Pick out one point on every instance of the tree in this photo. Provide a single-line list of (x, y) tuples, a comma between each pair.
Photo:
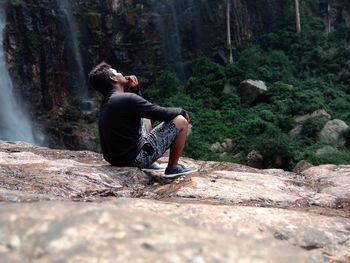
[(228, 27), (297, 16), (329, 17)]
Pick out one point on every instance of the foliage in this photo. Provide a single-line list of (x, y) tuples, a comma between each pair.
[(11, 2), (312, 127), (304, 72)]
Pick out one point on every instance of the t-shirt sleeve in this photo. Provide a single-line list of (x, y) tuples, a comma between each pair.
[(145, 109)]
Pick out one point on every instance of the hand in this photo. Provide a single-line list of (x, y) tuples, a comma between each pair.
[(188, 117), (133, 82)]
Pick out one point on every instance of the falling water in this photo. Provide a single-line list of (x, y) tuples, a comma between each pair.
[(75, 59), (167, 23), (14, 124), (172, 17)]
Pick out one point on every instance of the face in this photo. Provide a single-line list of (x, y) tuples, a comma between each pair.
[(118, 76)]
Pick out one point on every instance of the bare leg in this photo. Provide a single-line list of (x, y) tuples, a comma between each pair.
[(148, 125), (178, 144)]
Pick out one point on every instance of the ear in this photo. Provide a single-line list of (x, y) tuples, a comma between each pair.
[(113, 79)]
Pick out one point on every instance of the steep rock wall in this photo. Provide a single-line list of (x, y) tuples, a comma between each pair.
[(133, 35)]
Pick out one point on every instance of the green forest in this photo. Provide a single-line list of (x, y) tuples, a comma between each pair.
[(304, 72)]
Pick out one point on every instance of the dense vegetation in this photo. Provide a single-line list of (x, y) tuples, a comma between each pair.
[(304, 72)]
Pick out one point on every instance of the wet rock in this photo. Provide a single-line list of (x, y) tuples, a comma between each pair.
[(332, 133), (250, 90)]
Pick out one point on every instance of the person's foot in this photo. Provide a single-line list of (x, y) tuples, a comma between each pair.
[(154, 167), (177, 171)]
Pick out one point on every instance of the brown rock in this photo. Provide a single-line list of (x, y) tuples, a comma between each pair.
[(227, 211), (255, 159), (302, 166), (250, 90), (129, 230)]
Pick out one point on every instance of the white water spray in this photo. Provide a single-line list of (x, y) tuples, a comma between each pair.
[(14, 124), (168, 26), (76, 61)]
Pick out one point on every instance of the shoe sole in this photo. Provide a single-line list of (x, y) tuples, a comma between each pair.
[(173, 176), (153, 170)]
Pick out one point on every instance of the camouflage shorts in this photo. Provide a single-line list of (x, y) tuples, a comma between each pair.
[(157, 142)]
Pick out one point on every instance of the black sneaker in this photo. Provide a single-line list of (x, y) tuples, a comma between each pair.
[(177, 171)]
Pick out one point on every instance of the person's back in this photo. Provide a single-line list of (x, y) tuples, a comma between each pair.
[(119, 129)]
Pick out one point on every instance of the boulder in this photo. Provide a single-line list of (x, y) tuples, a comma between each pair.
[(226, 146), (296, 131), (58, 205), (250, 90), (302, 166), (332, 133), (316, 114), (326, 150), (228, 89), (255, 159), (300, 120), (216, 148)]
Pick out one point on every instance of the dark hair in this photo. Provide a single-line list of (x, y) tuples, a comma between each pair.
[(99, 78)]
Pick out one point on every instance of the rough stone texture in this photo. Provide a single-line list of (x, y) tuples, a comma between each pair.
[(300, 120), (301, 166), (296, 131), (326, 150), (255, 159), (332, 132), (224, 212), (126, 35), (148, 231), (316, 114), (226, 146), (250, 90)]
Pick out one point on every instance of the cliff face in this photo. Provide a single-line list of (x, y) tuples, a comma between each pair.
[(52, 45)]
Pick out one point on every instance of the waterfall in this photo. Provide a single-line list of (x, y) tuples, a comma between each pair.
[(171, 17), (166, 21), (74, 56), (14, 124)]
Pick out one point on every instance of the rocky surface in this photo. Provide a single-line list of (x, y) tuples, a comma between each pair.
[(332, 132), (250, 90), (90, 211)]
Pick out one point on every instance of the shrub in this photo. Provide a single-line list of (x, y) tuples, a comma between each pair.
[(312, 127)]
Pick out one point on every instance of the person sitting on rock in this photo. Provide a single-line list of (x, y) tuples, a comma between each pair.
[(123, 116)]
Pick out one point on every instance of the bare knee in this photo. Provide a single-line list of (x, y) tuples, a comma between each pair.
[(180, 122)]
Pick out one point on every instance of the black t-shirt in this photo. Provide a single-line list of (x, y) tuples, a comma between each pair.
[(119, 125)]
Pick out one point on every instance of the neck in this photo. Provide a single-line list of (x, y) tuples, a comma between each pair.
[(118, 88)]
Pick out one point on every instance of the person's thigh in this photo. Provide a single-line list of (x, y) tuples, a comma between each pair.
[(158, 141)]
